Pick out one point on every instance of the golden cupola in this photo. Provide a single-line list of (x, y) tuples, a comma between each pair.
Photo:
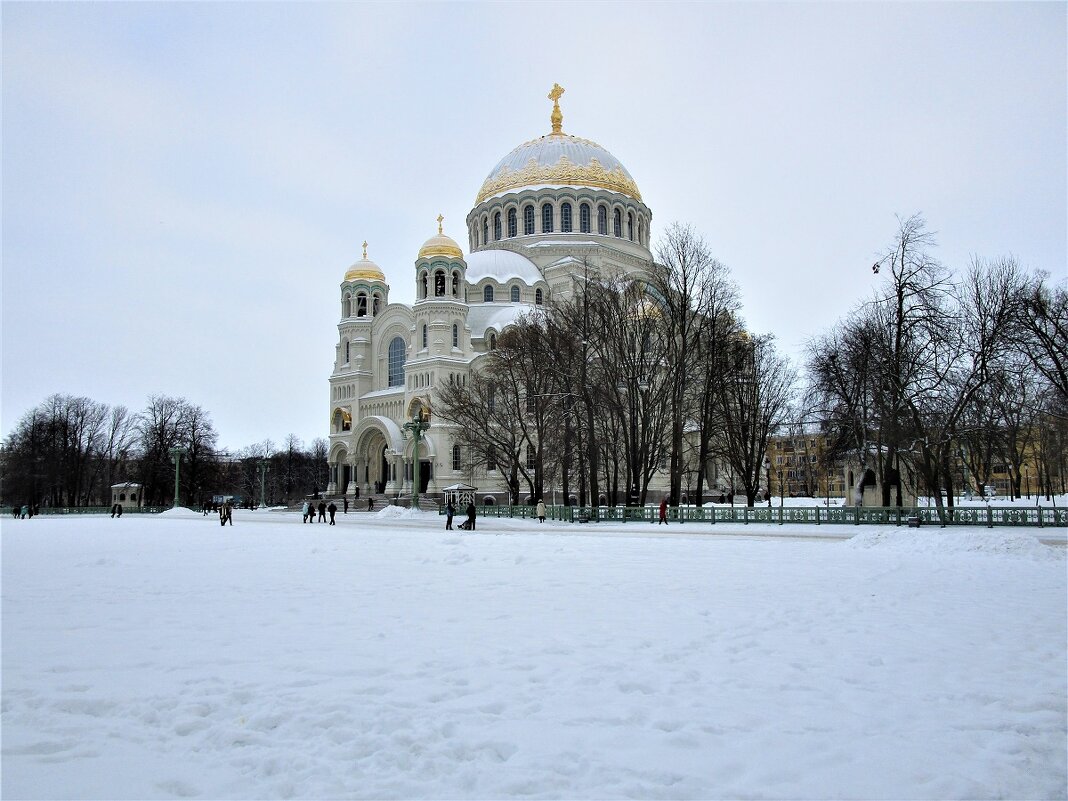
[(365, 270), (558, 159), (440, 245)]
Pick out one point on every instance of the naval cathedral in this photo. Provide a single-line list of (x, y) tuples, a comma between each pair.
[(549, 206)]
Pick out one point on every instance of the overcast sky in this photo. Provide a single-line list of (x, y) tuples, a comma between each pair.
[(185, 184)]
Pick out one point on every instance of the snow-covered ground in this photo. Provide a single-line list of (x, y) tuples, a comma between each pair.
[(164, 657)]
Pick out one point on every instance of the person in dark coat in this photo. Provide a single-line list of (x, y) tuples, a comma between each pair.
[(322, 511), (470, 523), (332, 509), (663, 511), (450, 510), (370, 504), (226, 514), (118, 510), (345, 501)]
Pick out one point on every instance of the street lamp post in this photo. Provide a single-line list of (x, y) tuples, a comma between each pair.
[(265, 466), (417, 427), (780, 489), (767, 472), (1027, 480), (176, 457)]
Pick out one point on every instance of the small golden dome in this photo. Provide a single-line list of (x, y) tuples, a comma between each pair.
[(365, 270), (440, 245)]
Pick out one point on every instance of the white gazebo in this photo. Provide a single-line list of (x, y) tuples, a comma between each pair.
[(460, 495)]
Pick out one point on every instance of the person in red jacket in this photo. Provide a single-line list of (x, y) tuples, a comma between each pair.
[(663, 511)]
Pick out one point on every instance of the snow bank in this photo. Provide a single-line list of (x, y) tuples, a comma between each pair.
[(180, 512), (928, 541)]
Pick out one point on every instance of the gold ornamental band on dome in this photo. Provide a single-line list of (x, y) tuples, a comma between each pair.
[(564, 172)]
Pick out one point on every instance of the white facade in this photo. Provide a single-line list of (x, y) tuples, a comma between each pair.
[(551, 209)]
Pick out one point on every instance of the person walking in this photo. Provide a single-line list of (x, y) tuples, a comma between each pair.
[(322, 512), (450, 510), (345, 501), (118, 510), (540, 511), (370, 503), (470, 523), (25, 510), (663, 511), (332, 509), (226, 513)]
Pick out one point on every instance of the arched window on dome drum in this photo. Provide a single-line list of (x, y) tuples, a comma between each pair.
[(361, 305), (497, 227), (528, 220), (565, 218), (630, 226), (346, 307), (396, 362), (376, 299), (346, 351), (456, 463), (641, 231), (424, 336), (487, 295), (547, 218), (455, 335), (537, 297), (617, 223), (439, 284), (602, 220), (485, 230), (513, 225), (584, 218), (455, 284), (515, 294), (422, 281)]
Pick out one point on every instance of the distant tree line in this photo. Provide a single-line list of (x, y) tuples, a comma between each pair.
[(69, 451)]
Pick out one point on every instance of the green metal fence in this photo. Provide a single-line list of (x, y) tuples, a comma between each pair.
[(5, 511), (989, 516)]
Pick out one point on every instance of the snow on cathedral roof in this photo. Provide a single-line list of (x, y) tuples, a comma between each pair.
[(483, 316), (502, 266)]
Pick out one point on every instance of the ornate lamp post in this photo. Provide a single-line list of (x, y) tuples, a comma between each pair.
[(176, 457), (416, 427), (1027, 480), (264, 466), (780, 489)]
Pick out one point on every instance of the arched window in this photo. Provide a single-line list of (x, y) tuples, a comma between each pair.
[(396, 362), (485, 230), (493, 342), (537, 297), (515, 294), (602, 220), (346, 352), (439, 284), (617, 223), (491, 458), (584, 218), (513, 227), (455, 335), (456, 463), (497, 226), (565, 218), (547, 218), (422, 277), (641, 231), (487, 295), (424, 336), (346, 307), (375, 300), (361, 305), (455, 283), (630, 226), (528, 220)]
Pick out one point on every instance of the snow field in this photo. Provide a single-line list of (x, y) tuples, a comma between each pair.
[(166, 657)]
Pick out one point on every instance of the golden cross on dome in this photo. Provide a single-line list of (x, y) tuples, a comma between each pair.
[(365, 250), (557, 117), (440, 218)]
